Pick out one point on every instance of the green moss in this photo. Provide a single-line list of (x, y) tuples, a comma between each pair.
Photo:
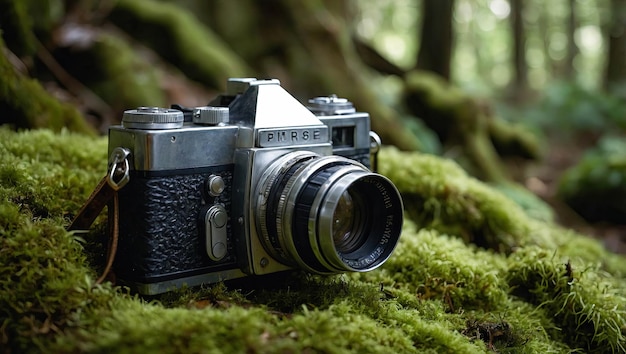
[(25, 104), (534, 206), (524, 328), (436, 90), (513, 139), (178, 37), (584, 302), (435, 294), (439, 195), (128, 77), (435, 266), (40, 167)]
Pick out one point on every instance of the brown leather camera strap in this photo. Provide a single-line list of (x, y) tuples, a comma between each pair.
[(106, 193), (114, 233), (103, 194), (93, 206)]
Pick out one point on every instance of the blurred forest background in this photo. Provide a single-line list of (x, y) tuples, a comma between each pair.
[(529, 96)]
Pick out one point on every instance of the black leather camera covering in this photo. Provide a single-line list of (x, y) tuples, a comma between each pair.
[(161, 235)]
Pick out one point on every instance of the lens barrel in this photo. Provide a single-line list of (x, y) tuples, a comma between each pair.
[(327, 214)]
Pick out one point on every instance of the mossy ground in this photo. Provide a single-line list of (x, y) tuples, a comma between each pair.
[(473, 272)]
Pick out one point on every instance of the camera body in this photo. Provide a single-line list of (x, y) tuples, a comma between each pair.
[(251, 184)]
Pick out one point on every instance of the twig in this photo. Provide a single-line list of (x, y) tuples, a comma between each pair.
[(15, 61), (76, 87)]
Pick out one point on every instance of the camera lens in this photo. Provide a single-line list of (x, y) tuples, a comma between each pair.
[(347, 223), (327, 214)]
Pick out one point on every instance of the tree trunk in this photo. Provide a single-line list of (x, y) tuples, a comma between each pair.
[(436, 37), (615, 69), (572, 48), (520, 80), (552, 67)]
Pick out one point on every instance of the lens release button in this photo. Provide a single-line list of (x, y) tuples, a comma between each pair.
[(215, 221)]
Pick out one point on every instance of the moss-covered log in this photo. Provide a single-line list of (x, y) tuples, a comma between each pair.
[(178, 37), (460, 122), (556, 292), (24, 103)]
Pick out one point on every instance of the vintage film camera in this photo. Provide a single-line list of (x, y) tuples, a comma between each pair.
[(252, 184)]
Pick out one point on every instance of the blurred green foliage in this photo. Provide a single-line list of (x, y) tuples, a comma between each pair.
[(571, 115), (429, 143), (568, 107), (568, 110), (596, 187)]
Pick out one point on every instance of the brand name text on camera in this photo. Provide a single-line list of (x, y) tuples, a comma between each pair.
[(295, 136)]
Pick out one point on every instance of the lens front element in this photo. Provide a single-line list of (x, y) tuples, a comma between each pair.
[(327, 214), (347, 223)]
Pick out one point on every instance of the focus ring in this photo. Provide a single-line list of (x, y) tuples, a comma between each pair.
[(301, 216)]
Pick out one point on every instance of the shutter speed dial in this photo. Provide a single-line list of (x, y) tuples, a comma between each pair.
[(153, 118)]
